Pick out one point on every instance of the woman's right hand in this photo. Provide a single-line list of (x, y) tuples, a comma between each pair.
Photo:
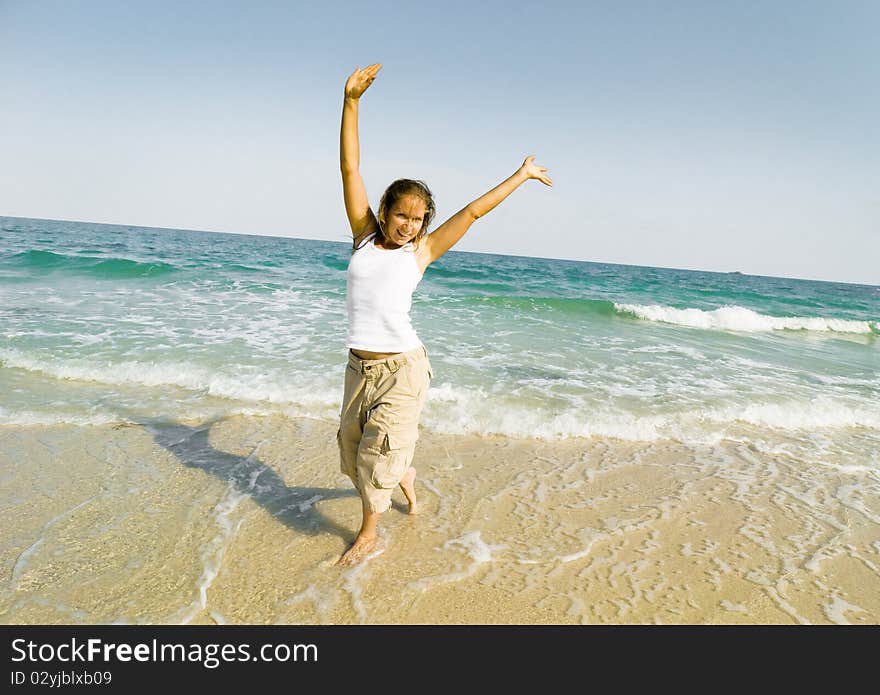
[(359, 80)]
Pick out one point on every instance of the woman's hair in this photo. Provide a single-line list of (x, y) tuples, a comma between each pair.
[(396, 191)]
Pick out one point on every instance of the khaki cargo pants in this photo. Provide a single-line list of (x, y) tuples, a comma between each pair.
[(379, 422)]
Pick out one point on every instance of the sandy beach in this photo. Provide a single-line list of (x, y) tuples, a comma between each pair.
[(241, 520)]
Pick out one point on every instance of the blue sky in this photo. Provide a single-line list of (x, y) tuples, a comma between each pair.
[(714, 136)]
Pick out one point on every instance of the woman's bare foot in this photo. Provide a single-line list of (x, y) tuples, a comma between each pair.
[(407, 484), (362, 546)]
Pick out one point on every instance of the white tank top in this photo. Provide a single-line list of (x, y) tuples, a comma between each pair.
[(379, 288)]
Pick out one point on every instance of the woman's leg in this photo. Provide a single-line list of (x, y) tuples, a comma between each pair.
[(420, 378), (366, 538), (387, 442), (407, 484)]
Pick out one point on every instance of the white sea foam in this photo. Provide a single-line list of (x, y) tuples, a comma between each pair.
[(477, 549), (22, 560), (355, 577), (734, 607), (212, 553), (449, 409), (265, 386), (847, 381), (643, 391), (29, 417), (837, 609), (571, 557), (322, 598), (134, 372), (467, 410), (737, 318), (819, 412), (455, 410), (672, 349)]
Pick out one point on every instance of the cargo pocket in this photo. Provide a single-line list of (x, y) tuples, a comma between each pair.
[(395, 453)]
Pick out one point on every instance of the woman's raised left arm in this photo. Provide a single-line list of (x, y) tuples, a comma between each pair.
[(447, 234)]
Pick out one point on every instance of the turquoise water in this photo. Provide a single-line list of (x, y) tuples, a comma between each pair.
[(105, 323)]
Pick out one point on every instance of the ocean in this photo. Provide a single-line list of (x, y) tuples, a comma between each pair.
[(108, 326)]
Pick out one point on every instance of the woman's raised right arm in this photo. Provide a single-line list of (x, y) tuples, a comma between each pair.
[(357, 206)]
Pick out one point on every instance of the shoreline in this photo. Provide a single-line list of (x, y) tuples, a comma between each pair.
[(241, 520)]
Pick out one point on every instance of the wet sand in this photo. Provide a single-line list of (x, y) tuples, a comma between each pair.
[(241, 521)]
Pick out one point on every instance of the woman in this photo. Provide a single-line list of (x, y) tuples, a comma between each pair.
[(388, 371)]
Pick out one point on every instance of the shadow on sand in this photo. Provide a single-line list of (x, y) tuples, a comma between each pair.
[(293, 506)]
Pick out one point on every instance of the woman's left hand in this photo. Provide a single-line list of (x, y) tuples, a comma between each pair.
[(533, 171)]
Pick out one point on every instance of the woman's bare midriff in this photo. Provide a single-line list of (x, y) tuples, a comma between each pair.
[(367, 355)]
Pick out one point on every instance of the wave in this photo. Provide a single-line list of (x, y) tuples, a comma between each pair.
[(438, 271), (258, 388), (37, 259), (797, 422), (191, 414), (821, 412), (455, 410), (737, 318), (449, 409), (733, 318), (567, 305), (334, 262), (29, 418)]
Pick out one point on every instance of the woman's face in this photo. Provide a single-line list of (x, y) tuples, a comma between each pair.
[(404, 219)]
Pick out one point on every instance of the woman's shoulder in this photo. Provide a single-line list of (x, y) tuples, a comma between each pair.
[(365, 238)]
